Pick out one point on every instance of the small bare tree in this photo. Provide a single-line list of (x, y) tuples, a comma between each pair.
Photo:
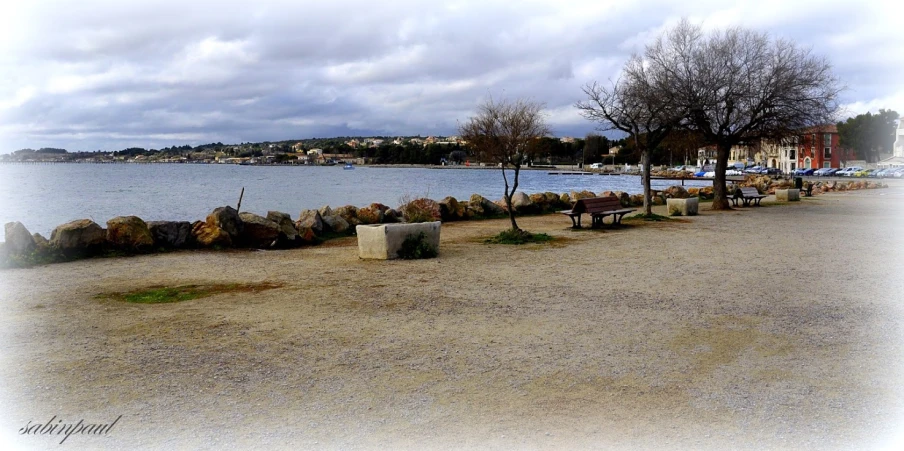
[(502, 132), (635, 105), (739, 86)]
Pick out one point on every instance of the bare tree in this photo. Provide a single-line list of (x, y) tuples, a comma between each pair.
[(634, 104), (502, 132), (739, 85)]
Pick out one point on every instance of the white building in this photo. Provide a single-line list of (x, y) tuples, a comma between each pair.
[(897, 159)]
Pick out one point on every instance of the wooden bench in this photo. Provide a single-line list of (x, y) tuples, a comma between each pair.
[(598, 208), (747, 195), (807, 189)]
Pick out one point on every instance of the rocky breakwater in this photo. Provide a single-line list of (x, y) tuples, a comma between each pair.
[(768, 185), (225, 227)]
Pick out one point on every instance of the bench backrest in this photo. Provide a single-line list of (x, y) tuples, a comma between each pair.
[(596, 205), (747, 191)]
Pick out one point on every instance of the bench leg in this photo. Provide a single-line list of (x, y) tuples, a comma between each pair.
[(575, 225)]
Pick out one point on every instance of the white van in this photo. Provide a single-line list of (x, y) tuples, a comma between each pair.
[(596, 165)]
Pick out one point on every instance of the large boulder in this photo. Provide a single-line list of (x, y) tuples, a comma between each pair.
[(171, 234), (130, 233), (79, 236), (538, 200), (336, 223), (421, 210), (325, 211), (349, 213), (258, 231), (288, 234), (577, 195), (18, 239), (521, 203), (209, 235), (42, 243), (482, 206), (370, 215), (449, 209), (310, 219), (636, 200), (623, 197), (565, 199), (676, 192), (228, 219)]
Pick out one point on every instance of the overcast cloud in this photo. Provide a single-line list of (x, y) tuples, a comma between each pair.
[(95, 75)]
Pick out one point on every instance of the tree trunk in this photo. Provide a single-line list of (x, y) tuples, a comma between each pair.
[(508, 196), (720, 190), (645, 180)]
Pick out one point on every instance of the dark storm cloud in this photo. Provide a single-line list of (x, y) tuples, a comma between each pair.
[(107, 75)]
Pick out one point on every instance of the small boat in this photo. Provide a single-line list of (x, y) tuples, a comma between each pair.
[(348, 166)]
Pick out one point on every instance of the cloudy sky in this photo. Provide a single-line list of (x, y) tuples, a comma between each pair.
[(107, 75)]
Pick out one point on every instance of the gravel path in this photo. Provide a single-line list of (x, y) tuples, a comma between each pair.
[(777, 327)]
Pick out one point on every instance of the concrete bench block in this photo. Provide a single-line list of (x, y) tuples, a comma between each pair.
[(684, 207), (787, 195), (383, 241)]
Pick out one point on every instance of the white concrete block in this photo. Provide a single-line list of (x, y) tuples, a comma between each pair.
[(383, 241), (685, 207), (787, 195)]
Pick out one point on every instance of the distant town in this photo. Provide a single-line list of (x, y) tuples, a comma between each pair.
[(431, 150)]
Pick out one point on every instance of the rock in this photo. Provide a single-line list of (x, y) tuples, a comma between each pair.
[(171, 234), (483, 207), (336, 223), (565, 200), (521, 202), (421, 210), (129, 232), (311, 219), (325, 211), (18, 239), (228, 219), (577, 195), (636, 200), (657, 200), (79, 236), (368, 215), (449, 209), (209, 235), (624, 198), (306, 235), (41, 242), (539, 202), (349, 213), (391, 215), (676, 192), (258, 231), (705, 193), (287, 232)]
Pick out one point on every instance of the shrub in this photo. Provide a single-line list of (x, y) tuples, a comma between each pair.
[(416, 247), (517, 236)]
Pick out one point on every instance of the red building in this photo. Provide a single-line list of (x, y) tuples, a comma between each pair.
[(820, 147)]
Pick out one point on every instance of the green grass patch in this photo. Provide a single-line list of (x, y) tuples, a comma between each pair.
[(652, 217), (512, 236), (168, 294)]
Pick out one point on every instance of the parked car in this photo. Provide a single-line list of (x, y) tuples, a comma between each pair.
[(882, 172), (861, 173), (772, 171), (898, 173), (848, 171), (822, 172), (831, 172), (753, 170), (803, 171)]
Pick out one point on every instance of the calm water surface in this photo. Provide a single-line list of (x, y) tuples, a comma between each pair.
[(42, 196)]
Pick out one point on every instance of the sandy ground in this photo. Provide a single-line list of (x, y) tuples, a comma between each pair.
[(779, 327)]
